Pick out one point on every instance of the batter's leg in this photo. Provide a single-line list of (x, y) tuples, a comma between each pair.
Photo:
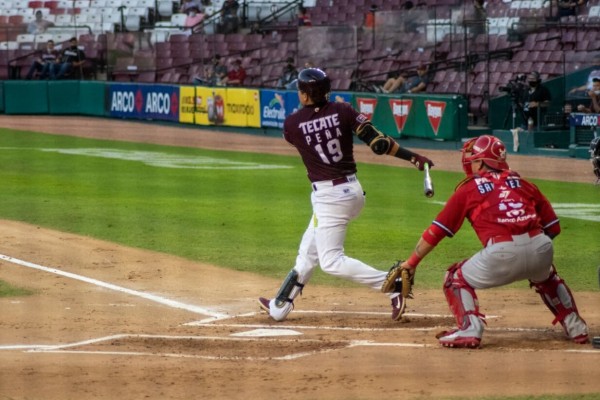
[(333, 216), (558, 298), (306, 261)]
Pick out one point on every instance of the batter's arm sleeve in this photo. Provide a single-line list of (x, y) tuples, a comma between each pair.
[(380, 144)]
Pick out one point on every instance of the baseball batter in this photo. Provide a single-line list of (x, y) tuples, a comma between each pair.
[(516, 224), (323, 132)]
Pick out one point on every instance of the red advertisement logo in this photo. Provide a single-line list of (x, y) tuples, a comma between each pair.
[(435, 112), (366, 106), (139, 101), (400, 111), (174, 103)]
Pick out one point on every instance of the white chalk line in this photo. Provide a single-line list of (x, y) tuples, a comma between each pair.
[(147, 296), (216, 316), (348, 344)]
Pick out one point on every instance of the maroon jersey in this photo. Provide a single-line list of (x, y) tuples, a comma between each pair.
[(323, 136), (497, 204)]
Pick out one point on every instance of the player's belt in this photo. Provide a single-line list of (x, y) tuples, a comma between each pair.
[(509, 238), (334, 182)]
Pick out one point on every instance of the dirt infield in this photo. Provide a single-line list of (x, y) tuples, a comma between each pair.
[(133, 324)]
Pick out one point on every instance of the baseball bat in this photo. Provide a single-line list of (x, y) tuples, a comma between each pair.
[(427, 182)]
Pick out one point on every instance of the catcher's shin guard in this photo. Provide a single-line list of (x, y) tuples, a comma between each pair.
[(558, 298), (462, 300), (283, 303)]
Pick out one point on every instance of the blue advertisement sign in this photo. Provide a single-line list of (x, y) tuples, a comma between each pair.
[(276, 105), (341, 97), (144, 101), (272, 105), (577, 119)]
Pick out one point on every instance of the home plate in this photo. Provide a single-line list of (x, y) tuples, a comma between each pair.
[(267, 333)]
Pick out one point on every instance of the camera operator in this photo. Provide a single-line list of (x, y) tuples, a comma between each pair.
[(538, 97)]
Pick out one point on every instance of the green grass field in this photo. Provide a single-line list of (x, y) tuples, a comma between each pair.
[(248, 211)]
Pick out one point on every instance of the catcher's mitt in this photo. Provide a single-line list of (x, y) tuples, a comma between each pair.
[(398, 280)]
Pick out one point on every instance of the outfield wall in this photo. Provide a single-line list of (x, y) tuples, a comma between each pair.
[(429, 116)]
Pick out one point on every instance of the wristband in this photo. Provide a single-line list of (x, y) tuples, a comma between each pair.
[(414, 260), (404, 154)]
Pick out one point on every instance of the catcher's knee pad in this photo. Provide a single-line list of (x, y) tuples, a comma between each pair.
[(461, 297), (283, 303), (556, 295)]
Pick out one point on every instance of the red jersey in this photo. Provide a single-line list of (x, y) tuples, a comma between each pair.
[(237, 75), (324, 137), (497, 203)]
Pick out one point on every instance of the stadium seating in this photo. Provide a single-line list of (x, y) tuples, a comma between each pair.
[(459, 62)]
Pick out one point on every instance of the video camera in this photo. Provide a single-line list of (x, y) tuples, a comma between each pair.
[(516, 87)]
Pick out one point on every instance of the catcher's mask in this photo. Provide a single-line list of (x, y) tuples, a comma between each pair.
[(595, 155), (489, 149), (315, 83)]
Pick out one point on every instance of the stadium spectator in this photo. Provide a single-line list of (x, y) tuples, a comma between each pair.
[(303, 17), (479, 18), (235, 76), (370, 17), (194, 17), (206, 78), (229, 17), (44, 62), (594, 95), (582, 91), (188, 4), (72, 57), (569, 7), (290, 74), (219, 71), (39, 25), (403, 84), (411, 22), (538, 97)]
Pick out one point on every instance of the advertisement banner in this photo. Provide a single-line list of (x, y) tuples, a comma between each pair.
[(187, 101), (273, 108), (242, 108), (366, 105), (341, 97), (292, 103), (210, 105), (124, 100), (435, 113), (144, 101), (400, 111)]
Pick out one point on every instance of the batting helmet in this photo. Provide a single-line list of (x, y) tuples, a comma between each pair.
[(486, 148), (315, 83)]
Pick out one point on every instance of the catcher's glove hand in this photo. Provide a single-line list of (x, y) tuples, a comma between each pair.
[(399, 280)]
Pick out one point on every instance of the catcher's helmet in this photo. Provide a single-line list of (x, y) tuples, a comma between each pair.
[(486, 148), (315, 83)]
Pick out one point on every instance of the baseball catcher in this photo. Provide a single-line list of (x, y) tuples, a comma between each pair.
[(516, 224)]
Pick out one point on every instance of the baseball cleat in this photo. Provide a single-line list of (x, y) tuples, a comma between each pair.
[(264, 304), (575, 328), (458, 339), (581, 339), (398, 307)]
